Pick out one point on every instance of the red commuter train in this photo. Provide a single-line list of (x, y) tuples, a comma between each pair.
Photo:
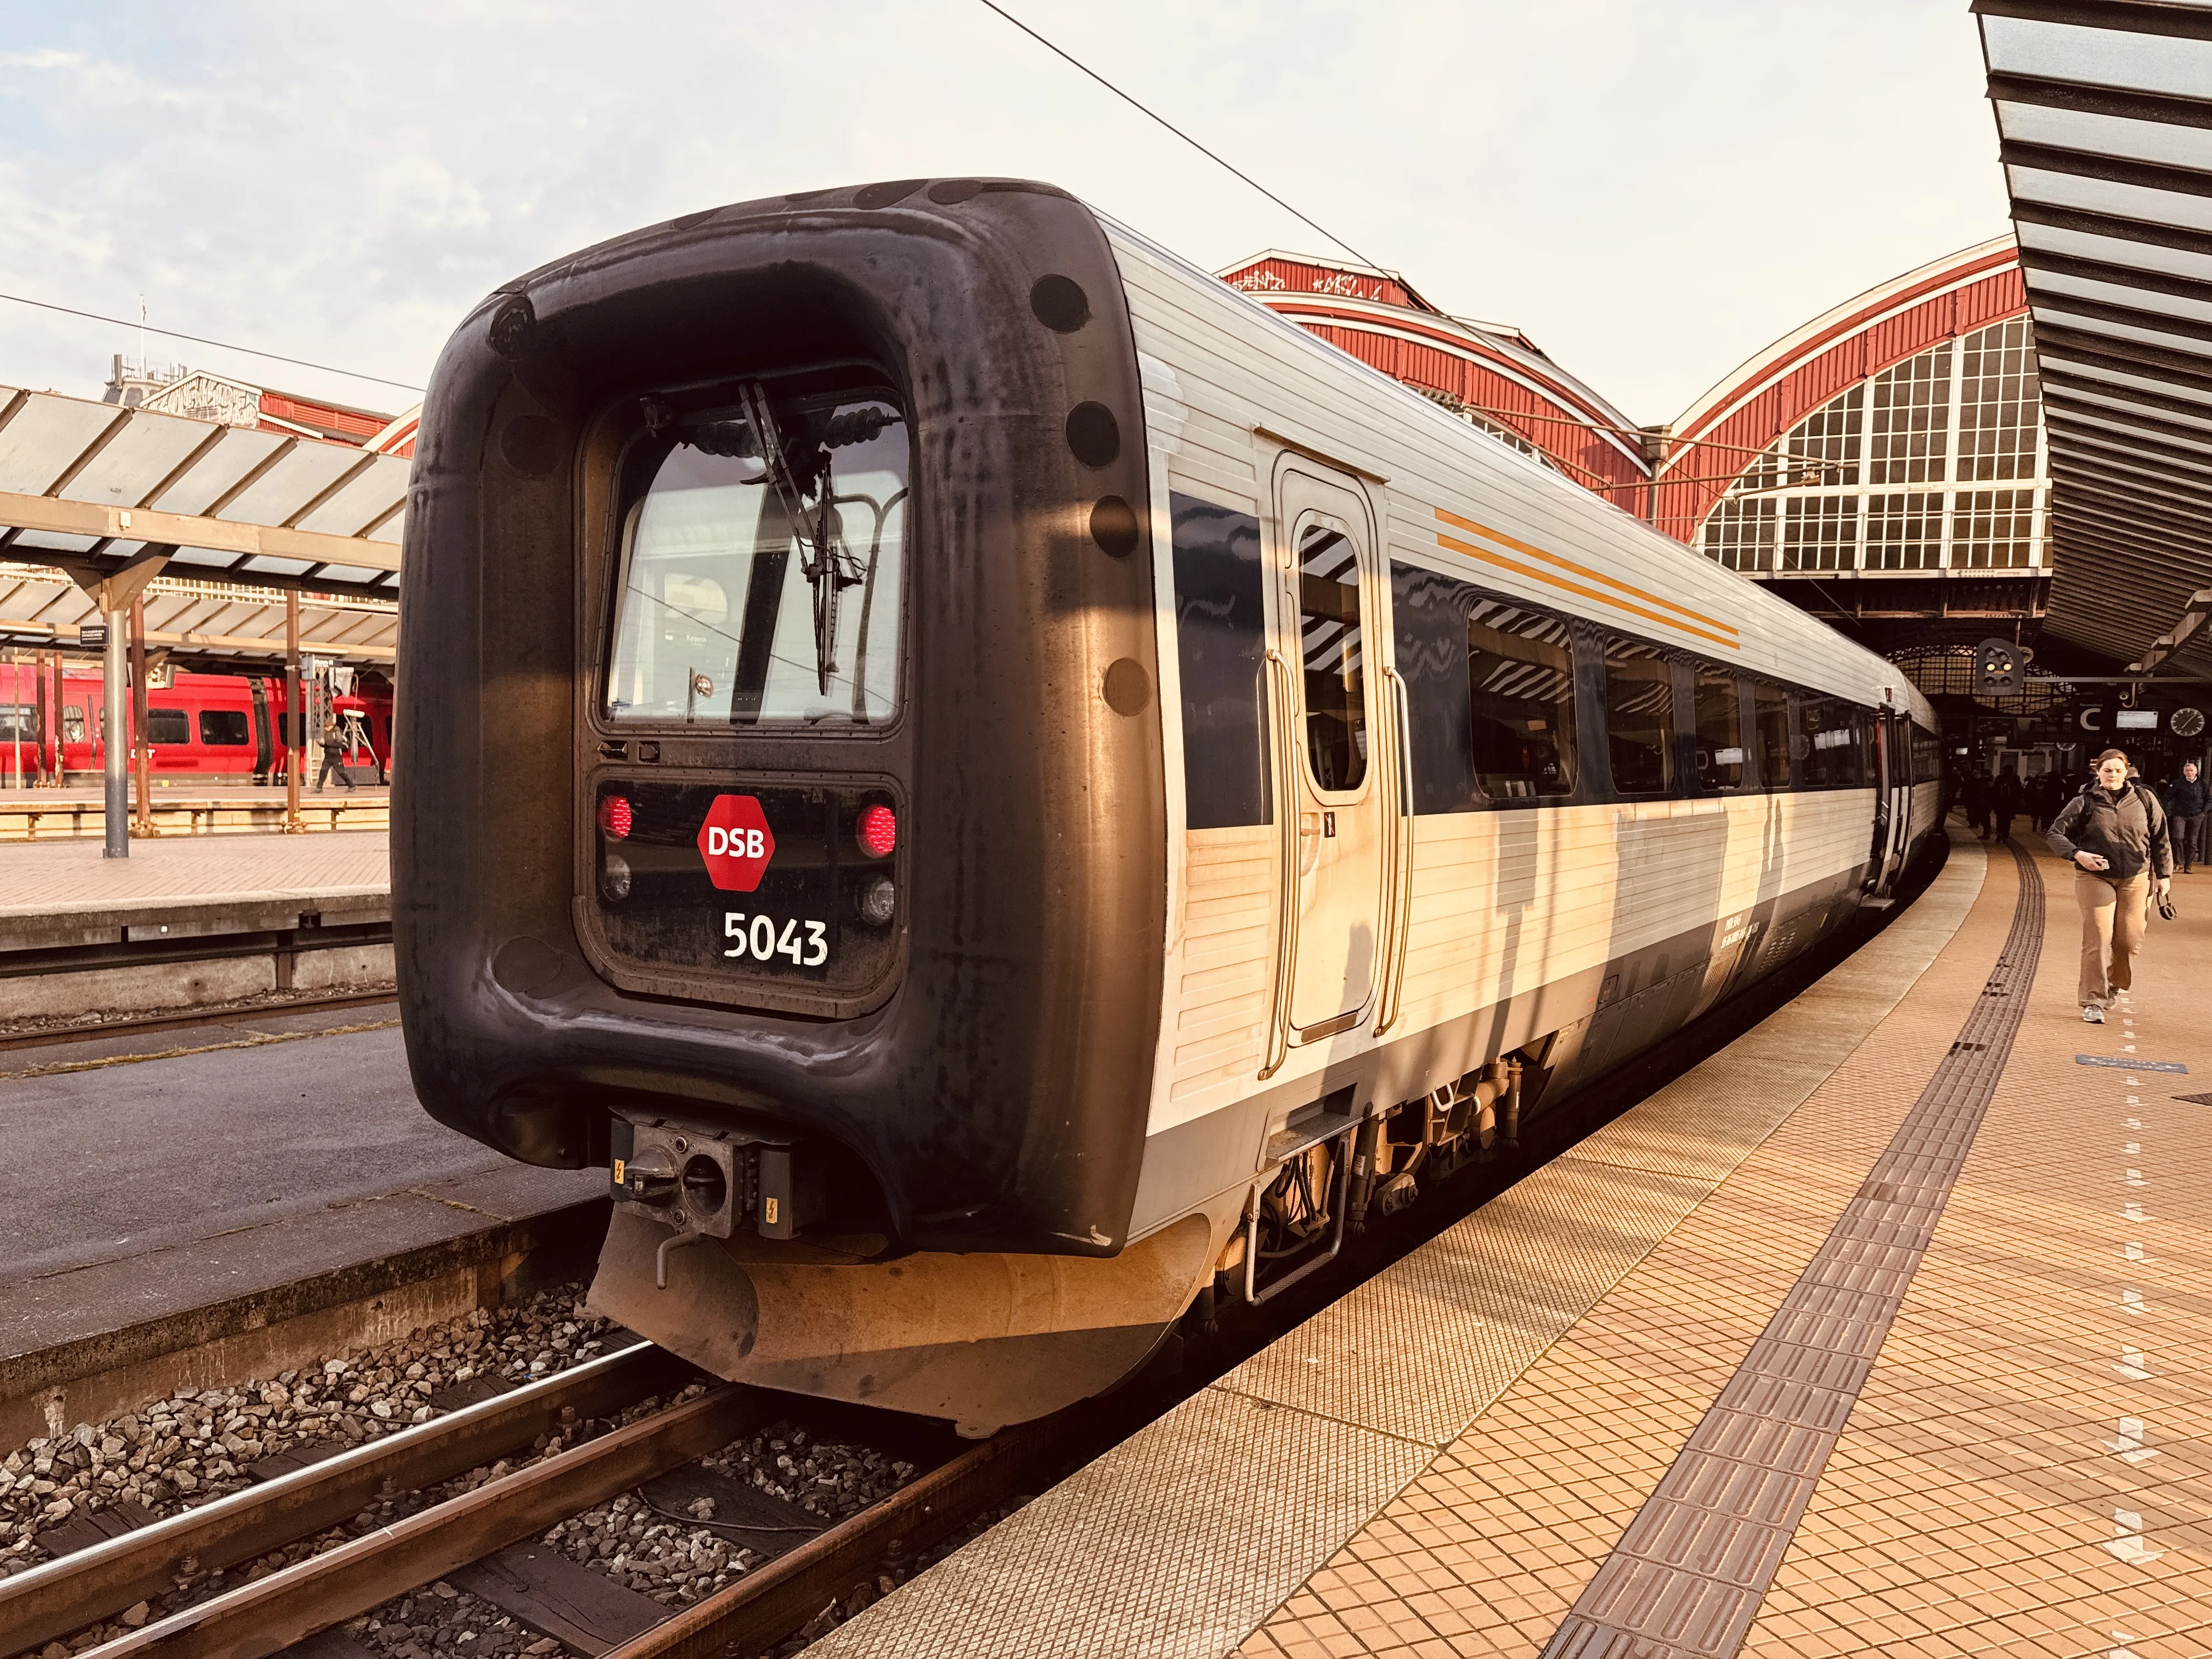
[(212, 728)]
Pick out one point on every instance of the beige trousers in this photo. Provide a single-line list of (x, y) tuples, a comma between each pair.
[(2113, 917)]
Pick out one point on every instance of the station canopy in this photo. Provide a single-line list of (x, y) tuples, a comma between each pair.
[(2104, 111), (209, 521)]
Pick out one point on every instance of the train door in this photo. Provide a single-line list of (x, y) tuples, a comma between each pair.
[(1892, 816), (1331, 767)]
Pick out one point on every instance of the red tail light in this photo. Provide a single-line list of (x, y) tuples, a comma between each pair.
[(876, 831), (614, 816)]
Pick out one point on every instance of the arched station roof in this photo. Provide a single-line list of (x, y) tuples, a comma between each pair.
[(1757, 402), (1492, 375)]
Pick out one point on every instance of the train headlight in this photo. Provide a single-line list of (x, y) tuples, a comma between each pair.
[(876, 831), (878, 901), (614, 879)]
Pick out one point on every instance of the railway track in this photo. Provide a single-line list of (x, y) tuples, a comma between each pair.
[(589, 1457), (191, 1019)]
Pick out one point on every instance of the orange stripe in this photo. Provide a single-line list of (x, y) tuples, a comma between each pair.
[(1484, 554), (1584, 570)]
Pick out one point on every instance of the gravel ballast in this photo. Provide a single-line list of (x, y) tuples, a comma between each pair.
[(191, 1448)]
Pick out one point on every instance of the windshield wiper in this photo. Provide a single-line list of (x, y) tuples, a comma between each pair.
[(828, 567)]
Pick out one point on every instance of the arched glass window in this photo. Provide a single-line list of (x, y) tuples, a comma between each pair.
[(1879, 478)]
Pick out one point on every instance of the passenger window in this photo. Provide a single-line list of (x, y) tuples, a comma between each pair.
[(1770, 714), (1331, 641), (169, 725), (1221, 647), (224, 727), (1521, 684), (1489, 688), (1720, 731), (1639, 711), (73, 724), (1832, 744), (19, 724)]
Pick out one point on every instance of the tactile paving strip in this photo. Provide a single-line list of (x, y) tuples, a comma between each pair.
[(1686, 1578)]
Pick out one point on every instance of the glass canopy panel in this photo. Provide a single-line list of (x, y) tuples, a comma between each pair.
[(2117, 250), (2110, 198), (2065, 285), (2191, 345), (131, 464), (2098, 58), (2107, 134), (47, 434)]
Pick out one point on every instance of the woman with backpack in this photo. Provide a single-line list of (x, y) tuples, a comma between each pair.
[(2114, 835)]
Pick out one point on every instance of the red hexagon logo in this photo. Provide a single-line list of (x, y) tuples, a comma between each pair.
[(736, 843)]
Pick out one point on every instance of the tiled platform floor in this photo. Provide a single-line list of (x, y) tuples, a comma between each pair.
[(72, 874), (2028, 1468)]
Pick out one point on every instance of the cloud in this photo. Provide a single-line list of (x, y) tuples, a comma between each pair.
[(1652, 192)]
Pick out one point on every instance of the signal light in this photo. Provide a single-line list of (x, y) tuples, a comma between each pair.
[(616, 816), (876, 831)]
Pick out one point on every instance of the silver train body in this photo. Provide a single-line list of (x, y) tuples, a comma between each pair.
[(1374, 788)]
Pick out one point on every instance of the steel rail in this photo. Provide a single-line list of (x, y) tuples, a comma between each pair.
[(76, 1591), (295, 1603), (276, 1007), (773, 1601)]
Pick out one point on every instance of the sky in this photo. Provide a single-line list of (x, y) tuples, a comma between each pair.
[(1652, 192)]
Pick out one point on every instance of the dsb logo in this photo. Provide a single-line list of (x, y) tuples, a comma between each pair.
[(736, 843)]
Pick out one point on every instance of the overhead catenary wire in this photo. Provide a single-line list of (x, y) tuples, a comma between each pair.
[(1155, 115), (145, 327)]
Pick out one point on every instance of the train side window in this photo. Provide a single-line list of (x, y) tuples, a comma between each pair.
[(169, 725), (1221, 645), (224, 727), (1770, 715), (1521, 681), (73, 724), (1491, 689), (1332, 640), (19, 724), (1927, 756), (1428, 615), (1639, 715), (1833, 740), (1720, 729)]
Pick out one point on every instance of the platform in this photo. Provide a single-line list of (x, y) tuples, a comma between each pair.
[(1884, 1331), (189, 806), (72, 875), (233, 1157)]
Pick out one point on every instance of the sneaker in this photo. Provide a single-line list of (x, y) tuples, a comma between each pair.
[(2092, 1015)]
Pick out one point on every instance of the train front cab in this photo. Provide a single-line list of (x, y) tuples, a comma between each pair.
[(810, 531)]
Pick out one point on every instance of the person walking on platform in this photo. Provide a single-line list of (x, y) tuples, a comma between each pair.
[(2114, 835), (2004, 803), (1974, 796), (2186, 806)]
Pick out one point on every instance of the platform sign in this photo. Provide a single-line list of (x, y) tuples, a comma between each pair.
[(736, 843)]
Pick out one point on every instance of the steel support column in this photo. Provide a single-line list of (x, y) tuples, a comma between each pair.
[(116, 738)]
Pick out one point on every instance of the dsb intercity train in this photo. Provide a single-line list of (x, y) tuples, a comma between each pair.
[(1002, 790)]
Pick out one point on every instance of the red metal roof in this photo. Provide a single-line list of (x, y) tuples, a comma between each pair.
[(1761, 399)]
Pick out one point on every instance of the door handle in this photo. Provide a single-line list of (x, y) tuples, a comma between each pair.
[(1284, 725)]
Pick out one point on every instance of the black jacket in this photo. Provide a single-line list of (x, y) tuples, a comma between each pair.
[(2185, 797), (2128, 829)]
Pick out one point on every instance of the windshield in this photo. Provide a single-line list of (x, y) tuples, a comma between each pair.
[(760, 582)]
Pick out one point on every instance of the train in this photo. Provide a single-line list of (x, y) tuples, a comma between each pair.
[(1010, 797), (207, 728)]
